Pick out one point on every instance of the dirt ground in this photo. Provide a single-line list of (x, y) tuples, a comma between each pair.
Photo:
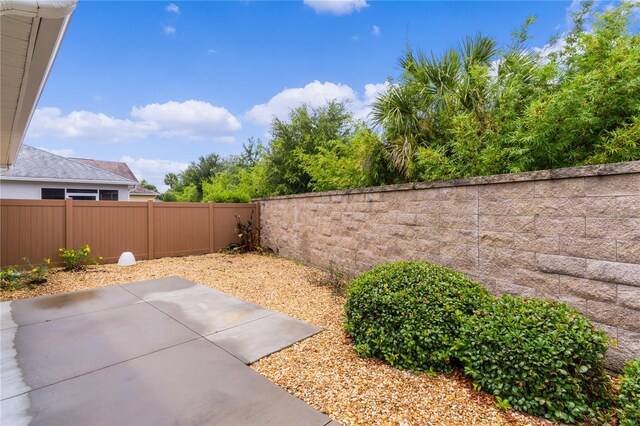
[(322, 370)]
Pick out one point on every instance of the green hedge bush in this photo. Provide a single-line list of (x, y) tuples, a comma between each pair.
[(629, 397), (539, 357), (409, 313)]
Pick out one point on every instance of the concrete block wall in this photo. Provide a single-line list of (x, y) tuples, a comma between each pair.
[(568, 234)]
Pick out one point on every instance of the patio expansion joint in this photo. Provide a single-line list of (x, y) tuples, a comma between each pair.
[(238, 325), (102, 368), (208, 334)]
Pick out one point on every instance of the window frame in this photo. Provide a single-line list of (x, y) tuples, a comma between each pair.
[(111, 192), (42, 195)]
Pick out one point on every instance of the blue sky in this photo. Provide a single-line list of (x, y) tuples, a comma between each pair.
[(157, 84)]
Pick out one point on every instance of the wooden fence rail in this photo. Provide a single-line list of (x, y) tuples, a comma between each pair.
[(36, 229)]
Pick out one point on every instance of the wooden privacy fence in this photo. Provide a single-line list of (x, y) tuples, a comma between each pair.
[(36, 229)]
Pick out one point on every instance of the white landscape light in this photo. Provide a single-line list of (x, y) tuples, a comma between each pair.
[(126, 259)]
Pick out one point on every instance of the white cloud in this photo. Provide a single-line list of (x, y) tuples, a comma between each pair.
[(168, 30), (375, 30), (192, 119), (336, 7), (97, 98), (63, 152), (371, 93), (85, 125), (548, 49), (212, 51), (153, 170), (315, 94), (172, 8)]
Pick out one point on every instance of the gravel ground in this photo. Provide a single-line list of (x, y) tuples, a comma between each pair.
[(322, 370)]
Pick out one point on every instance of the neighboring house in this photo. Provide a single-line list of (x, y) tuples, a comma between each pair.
[(143, 194), (139, 193), (41, 175), (31, 33)]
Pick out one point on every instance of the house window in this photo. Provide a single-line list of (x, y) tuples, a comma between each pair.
[(82, 194), (81, 191), (109, 194), (53, 193)]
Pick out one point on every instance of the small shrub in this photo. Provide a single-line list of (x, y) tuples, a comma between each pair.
[(249, 234), (537, 356), (78, 260), (36, 274), (12, 278), (629, 397), (333, 278), (409, 313)]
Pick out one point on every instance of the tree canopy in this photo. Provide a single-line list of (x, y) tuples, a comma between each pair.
[(477, 109)]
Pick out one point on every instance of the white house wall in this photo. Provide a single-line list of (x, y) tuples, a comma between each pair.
[(33, 190)]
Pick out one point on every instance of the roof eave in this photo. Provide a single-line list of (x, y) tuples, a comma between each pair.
[(155, 194), (87, 181), (51, 19)]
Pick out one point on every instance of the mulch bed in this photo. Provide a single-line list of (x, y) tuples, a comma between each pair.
[(322, 370)]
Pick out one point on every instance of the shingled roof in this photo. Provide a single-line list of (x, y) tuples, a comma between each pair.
[(140, 190), (117, 167), (37, 164)]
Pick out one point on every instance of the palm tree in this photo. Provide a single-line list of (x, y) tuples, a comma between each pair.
[(429, 89)]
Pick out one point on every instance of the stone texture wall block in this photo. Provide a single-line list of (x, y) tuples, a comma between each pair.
[(570, 226), (507, 223), (623, 184), (588, 248), (589, 289), (569, 188), (628, 206), (629, 296), (497, 239), (621, 273), (628, 251), (564, 265), (619, 228)]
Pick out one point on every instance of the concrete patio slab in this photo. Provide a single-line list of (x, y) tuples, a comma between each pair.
[(194, 383), (107, 356), (48, 308), (207, 311), (58, 350), (254, 340)]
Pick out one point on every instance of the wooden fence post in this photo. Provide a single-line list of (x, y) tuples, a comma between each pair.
[(68, 216), (150, 229), (211, 225)]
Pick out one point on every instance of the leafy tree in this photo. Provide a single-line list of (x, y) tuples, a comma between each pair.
[(147, 185), (172, 180), (201, 171), (188, 194), (169, 196), (306, 130), (480, 109), (223, 189), (359, 160), (251, 154)]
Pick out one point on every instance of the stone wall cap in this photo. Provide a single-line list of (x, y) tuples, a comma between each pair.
[(565, 173)]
